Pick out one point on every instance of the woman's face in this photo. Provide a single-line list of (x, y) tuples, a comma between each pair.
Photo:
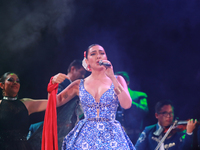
[(95, 54), (11, 85)]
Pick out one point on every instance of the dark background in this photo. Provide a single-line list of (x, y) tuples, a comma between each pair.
[(155, 41)]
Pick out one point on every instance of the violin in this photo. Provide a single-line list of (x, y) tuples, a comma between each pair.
[(179, 127)]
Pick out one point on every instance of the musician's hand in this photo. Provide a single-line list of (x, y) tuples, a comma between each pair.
[(60, 77), (191, 125)]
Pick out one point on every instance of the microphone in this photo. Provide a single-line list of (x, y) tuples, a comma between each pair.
[(104, 63)]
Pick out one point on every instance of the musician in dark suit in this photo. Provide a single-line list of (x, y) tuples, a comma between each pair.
[(152, 135)]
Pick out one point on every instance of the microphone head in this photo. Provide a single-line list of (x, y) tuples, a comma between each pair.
[(100, 62), (104, 63)]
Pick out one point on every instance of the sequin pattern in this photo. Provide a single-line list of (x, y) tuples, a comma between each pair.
[(101, 132)]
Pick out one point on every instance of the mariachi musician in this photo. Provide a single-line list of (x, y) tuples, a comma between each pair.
[(152, 136)]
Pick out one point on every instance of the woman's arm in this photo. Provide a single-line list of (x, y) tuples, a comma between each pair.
[(33, 105), (41, 104), (121, 90), (68, 93)]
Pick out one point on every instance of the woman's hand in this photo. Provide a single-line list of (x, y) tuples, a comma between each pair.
[(59, 78), (109, 69)]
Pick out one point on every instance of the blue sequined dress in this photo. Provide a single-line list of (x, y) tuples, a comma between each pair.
[(98, 133)]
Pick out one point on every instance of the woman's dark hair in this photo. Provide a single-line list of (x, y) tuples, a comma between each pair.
[(4, 76), (160, 104), (89, 48)]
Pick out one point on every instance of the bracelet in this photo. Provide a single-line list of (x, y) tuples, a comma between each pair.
[(118, 89)]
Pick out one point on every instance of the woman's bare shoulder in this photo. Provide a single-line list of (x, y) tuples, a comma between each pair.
[(26, 101)]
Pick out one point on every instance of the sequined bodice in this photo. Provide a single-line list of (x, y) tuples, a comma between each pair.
[(107, 105)]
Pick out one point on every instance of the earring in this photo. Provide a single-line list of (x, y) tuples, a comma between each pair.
[(89, 68)]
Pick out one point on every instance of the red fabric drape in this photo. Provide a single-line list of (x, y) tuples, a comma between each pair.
[(49, 135)]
